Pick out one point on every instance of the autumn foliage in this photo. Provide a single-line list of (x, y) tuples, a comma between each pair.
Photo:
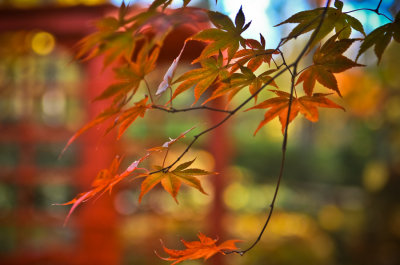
[(204, 248), (228, 64)]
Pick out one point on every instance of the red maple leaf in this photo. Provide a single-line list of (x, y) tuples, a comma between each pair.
[(205, 248)]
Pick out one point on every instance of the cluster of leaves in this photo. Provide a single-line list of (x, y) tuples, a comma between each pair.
[(171, 180), (227, 64), (381, 37)]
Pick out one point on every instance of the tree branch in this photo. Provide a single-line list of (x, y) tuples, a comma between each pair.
[(174, 110), (285, 136), (376, 11)]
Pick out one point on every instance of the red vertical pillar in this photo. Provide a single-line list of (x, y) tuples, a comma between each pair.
[(98, 233), (221, 149)]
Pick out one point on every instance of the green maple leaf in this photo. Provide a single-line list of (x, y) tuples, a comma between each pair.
[(334, 19), (381, 38), (202, 78), (327, 60), (226, 35)]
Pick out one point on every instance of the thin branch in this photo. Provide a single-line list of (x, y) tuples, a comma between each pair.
[(284, 61), (376, 11), (379, 5), (165, 157), (174, 110), (302, 70), (285, 136), (276, 65), (370, 9)]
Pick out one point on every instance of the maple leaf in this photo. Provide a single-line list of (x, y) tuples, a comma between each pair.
[(204, 248), (105, 180), (96, 43), (132, 74), (110, 41), (128, 116), (237, 81), (172, 180), (225, 37), (306, 105), (125, 118), (167, 80), (255, 56), (381, 38), (327, 60), (120, 37), (334, 19), (202, 78), (100, 118)]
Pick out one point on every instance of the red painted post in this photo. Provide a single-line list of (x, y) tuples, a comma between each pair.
[(221, 148), (97, 219)]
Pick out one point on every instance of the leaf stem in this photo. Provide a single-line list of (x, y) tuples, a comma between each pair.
[(148, 90), (165, 157)]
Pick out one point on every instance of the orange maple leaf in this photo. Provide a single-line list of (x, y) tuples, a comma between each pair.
[(205, 248), (233, 84), (124, 119), (128, 116), (172, 180), (105, 180), (255, 56), (306, 105), (202, 78), (327, 60), (103, 116), (225, 37)]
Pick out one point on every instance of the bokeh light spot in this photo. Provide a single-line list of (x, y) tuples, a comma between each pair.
[(330, 217), (43, 43), (375, 176), (236, 196)]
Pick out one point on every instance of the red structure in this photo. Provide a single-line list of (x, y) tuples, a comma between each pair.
[(68, 25), (91, 237)]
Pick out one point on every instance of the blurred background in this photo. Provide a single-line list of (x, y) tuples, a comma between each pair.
[(338, 202)]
